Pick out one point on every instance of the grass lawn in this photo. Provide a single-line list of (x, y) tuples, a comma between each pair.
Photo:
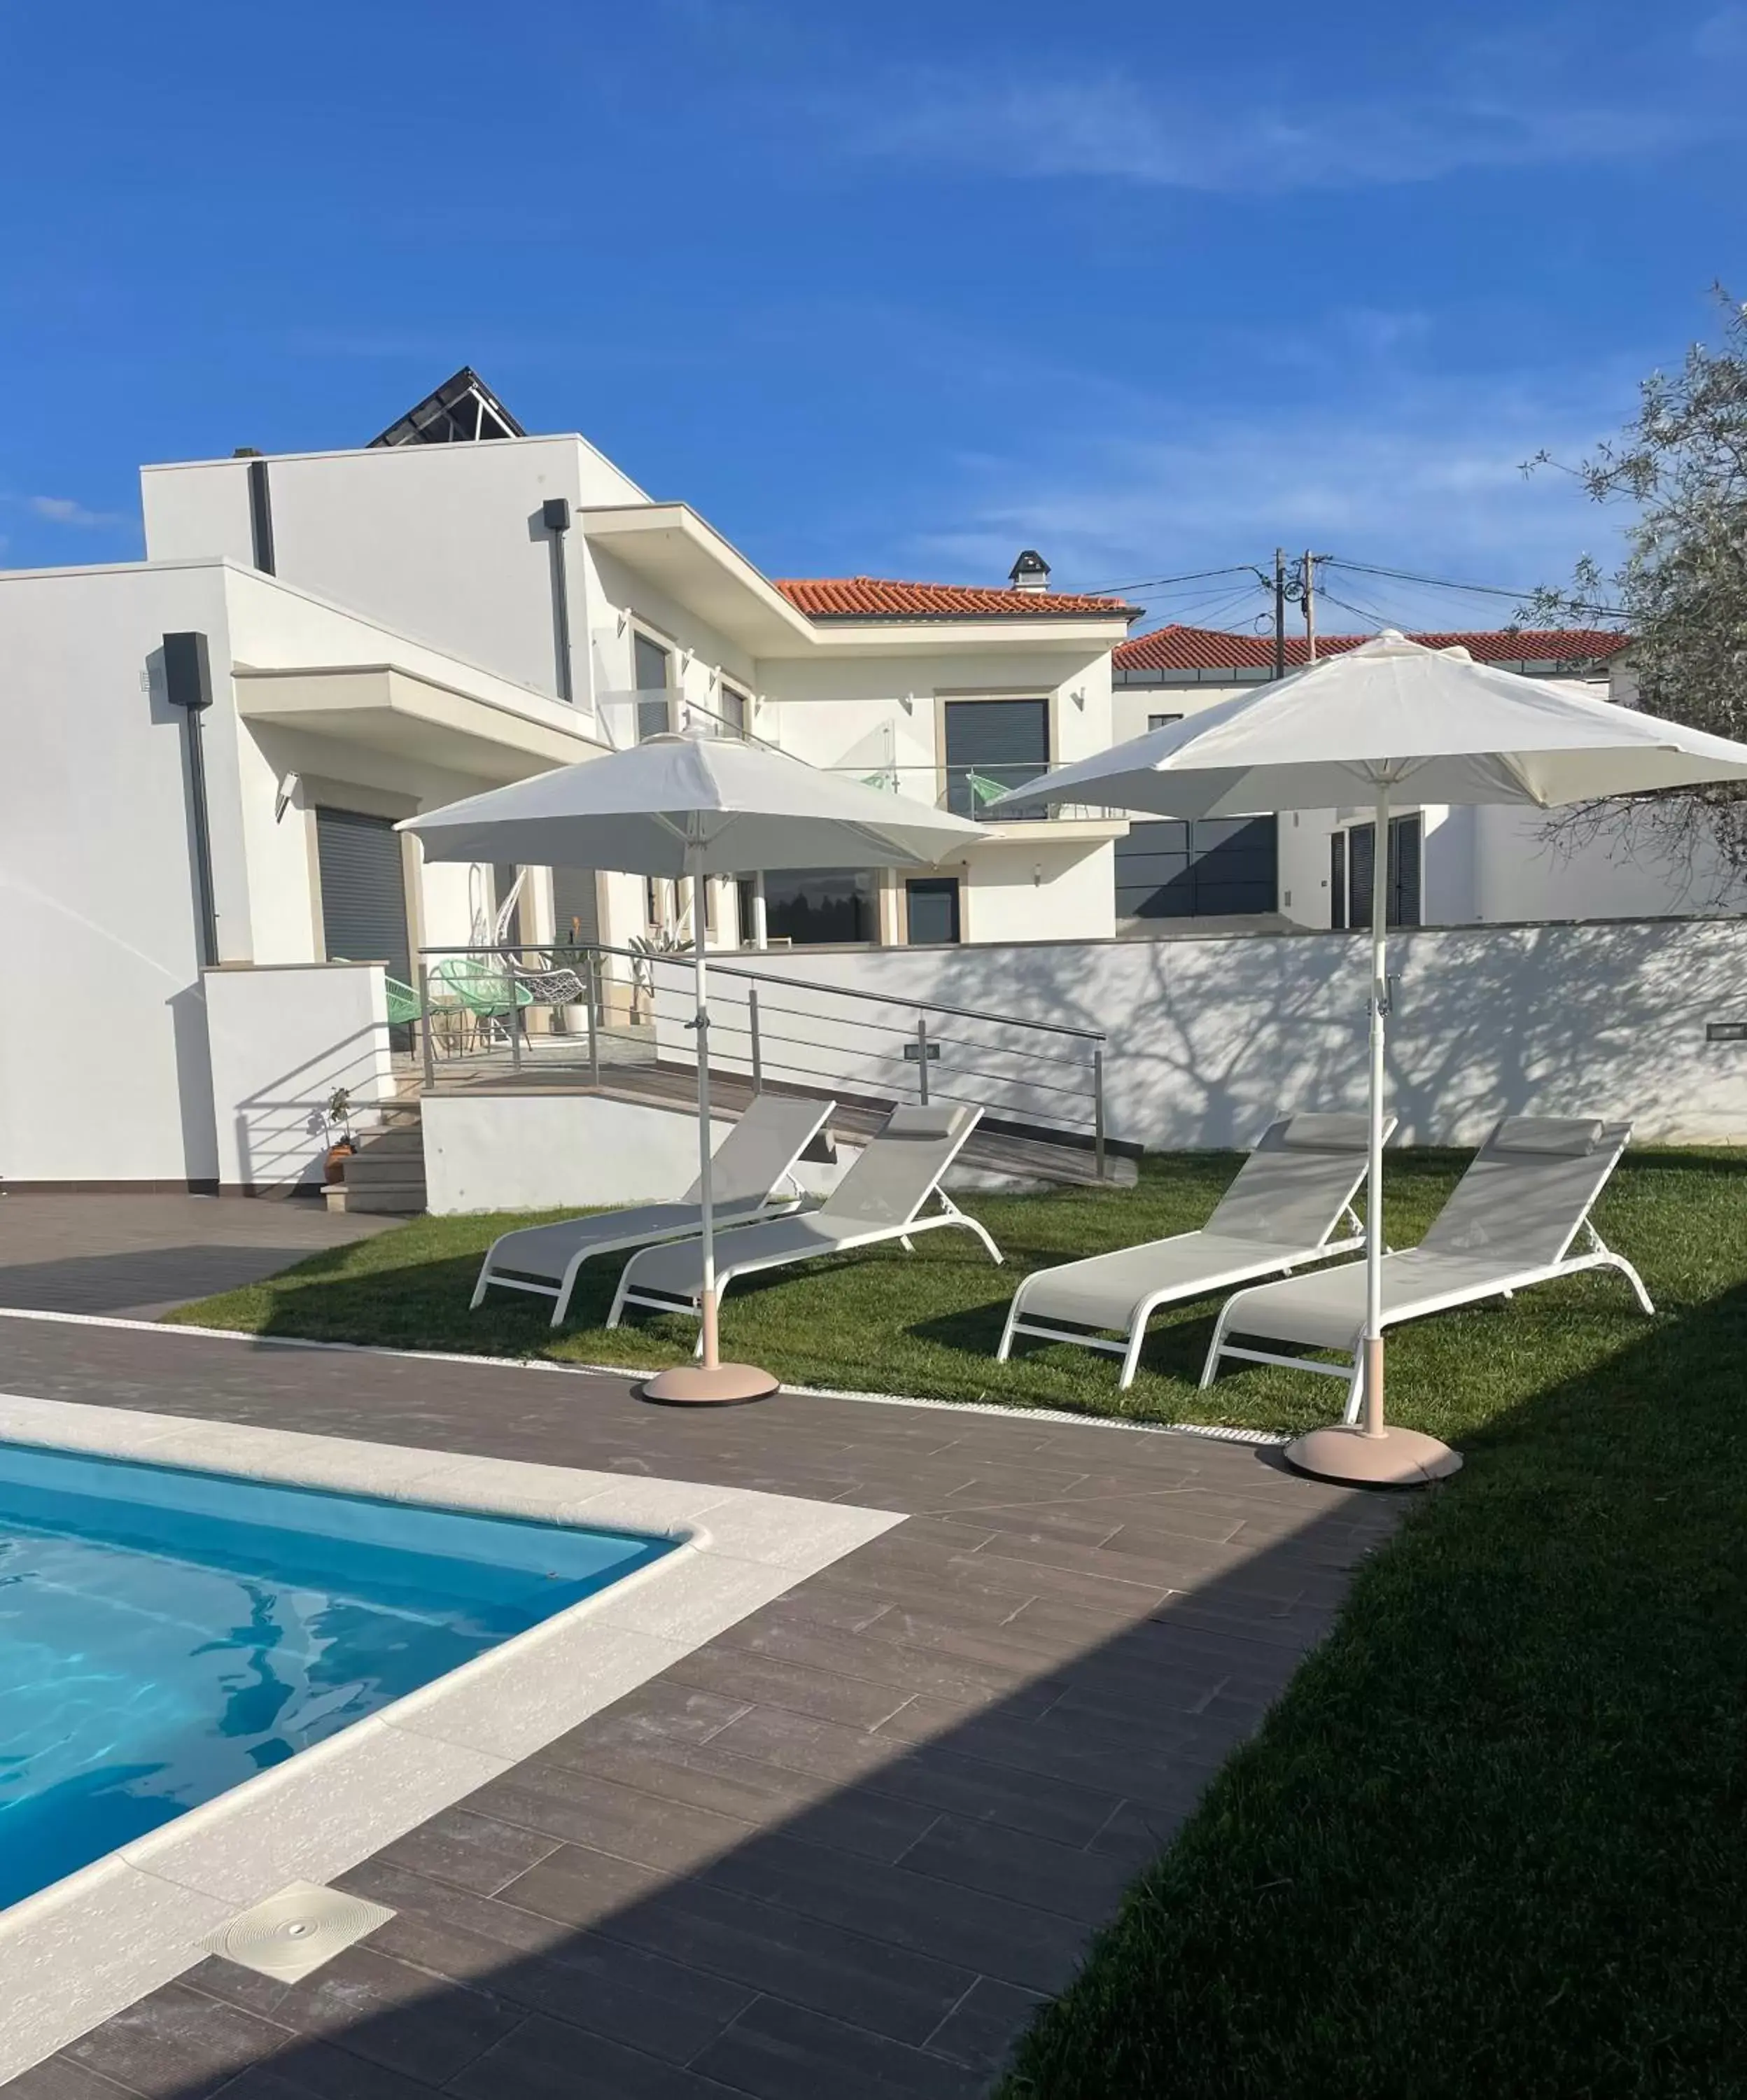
[(927, 1323), (1494, 1836)]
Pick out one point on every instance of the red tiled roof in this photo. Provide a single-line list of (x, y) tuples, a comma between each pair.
[(1210, 649), (873, 597)]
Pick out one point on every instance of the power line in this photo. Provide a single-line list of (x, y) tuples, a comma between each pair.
[(1160, 583), (1449, 583)]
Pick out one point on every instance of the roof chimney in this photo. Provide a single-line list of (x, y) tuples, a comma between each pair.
[(1030, 572)]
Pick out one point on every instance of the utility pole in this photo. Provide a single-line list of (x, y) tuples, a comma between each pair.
[(1280, 612), (1308, 591)]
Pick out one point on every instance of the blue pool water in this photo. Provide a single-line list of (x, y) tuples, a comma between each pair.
[(164, 1635)]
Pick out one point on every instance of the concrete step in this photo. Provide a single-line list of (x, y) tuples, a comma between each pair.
[(388, 1198), (400, 1153), (385, 1175)]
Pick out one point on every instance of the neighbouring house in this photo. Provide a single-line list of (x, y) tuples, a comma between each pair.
[(1446, 867), (207, 753)]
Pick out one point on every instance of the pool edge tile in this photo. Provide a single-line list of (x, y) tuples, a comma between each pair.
[(736, 1550)]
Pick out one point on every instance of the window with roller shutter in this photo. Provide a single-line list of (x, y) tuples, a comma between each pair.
[(364, 898)]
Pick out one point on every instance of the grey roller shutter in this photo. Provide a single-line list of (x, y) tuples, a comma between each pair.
[(364, 903), (994, 744)]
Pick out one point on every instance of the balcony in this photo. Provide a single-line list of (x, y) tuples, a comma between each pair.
[(971, 792)]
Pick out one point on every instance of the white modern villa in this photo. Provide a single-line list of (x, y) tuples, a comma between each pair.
[(206, 752)]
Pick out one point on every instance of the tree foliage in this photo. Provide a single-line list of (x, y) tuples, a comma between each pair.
[(1681, 591)]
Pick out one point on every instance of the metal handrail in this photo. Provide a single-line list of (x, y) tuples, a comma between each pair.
[(765, 977), (919, 1045)]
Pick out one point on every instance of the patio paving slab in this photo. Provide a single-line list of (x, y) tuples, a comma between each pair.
[(842, 1848), (139, 1254)]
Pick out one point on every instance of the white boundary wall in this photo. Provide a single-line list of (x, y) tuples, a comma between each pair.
[(284, 1039), (1208, 1039), (489, 1150)]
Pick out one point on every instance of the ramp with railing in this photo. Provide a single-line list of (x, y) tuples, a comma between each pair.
[(620, 1020)]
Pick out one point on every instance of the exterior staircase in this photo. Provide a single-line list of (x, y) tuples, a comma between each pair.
[(387, 1173)]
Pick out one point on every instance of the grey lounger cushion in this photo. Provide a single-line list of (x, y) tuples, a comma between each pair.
[(1287, 1200), (1515, 1211), (880, 1194), (746, 1167)]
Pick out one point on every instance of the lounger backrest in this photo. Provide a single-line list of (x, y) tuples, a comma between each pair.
[(1292, 1189), (1528, 1190), (899, 1169), (761, 1148)]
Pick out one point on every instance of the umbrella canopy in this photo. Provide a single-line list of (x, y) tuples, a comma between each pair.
[(693, 806), (1390, 719), (1429, 724)]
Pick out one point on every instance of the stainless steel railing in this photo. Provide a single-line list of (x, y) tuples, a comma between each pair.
[(493, 1011)]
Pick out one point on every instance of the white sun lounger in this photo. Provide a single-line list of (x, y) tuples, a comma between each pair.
[(1292, 1195), (1512, 1220), (748, 1169), (880, 1199)]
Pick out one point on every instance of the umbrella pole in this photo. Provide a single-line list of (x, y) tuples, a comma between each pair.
[(706, 1163), (1372, 1421), (711, 1383), (1369, 1454)]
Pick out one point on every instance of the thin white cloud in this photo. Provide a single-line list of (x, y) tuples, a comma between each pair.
[(1724, 35), (1430, 480), (64, 510), (1104, 127)]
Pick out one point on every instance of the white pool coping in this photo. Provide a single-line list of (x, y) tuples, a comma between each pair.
[(87, 1947)]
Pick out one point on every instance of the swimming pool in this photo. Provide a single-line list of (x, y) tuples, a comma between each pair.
[(166, 1635)]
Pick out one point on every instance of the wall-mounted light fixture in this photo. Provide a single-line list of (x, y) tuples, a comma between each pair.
[(288, 787)]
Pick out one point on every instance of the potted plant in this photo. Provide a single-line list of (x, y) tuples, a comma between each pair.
[(342, 1144)]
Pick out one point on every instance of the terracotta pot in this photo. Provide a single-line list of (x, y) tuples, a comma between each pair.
[(334, 1166)]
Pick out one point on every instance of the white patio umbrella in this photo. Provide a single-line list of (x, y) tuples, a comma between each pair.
[(1391, 720), (696, 805)]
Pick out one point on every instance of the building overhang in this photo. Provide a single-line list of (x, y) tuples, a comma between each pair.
[(669, 545), (384, 708), (686, 558), (1089, 830)]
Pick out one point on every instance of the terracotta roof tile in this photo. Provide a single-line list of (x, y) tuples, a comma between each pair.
[(1211, 649), (1214, 650), (874, 597)]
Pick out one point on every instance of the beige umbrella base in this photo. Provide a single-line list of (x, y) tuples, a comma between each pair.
[(709, 1385), (1388, 1459)]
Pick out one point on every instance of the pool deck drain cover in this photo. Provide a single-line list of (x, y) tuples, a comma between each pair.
[(289, 1935)]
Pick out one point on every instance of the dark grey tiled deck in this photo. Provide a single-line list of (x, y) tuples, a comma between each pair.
[(140, 1254), (842, 1851)]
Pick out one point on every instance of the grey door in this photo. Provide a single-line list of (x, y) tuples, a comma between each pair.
[(576, 907), (931, 907), (1217, 868), (364, 898)]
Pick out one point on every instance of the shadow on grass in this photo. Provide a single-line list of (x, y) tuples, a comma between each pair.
[(1493, 1837)]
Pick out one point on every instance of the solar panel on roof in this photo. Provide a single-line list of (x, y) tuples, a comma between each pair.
[(462, 411)]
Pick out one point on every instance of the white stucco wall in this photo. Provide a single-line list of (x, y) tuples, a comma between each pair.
[(282, 1042), (104, 1070), (536, 1152), (1039, 888), (1210, 1038), (439, 542)]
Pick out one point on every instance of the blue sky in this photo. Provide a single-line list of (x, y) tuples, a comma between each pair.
[(895, 290)]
